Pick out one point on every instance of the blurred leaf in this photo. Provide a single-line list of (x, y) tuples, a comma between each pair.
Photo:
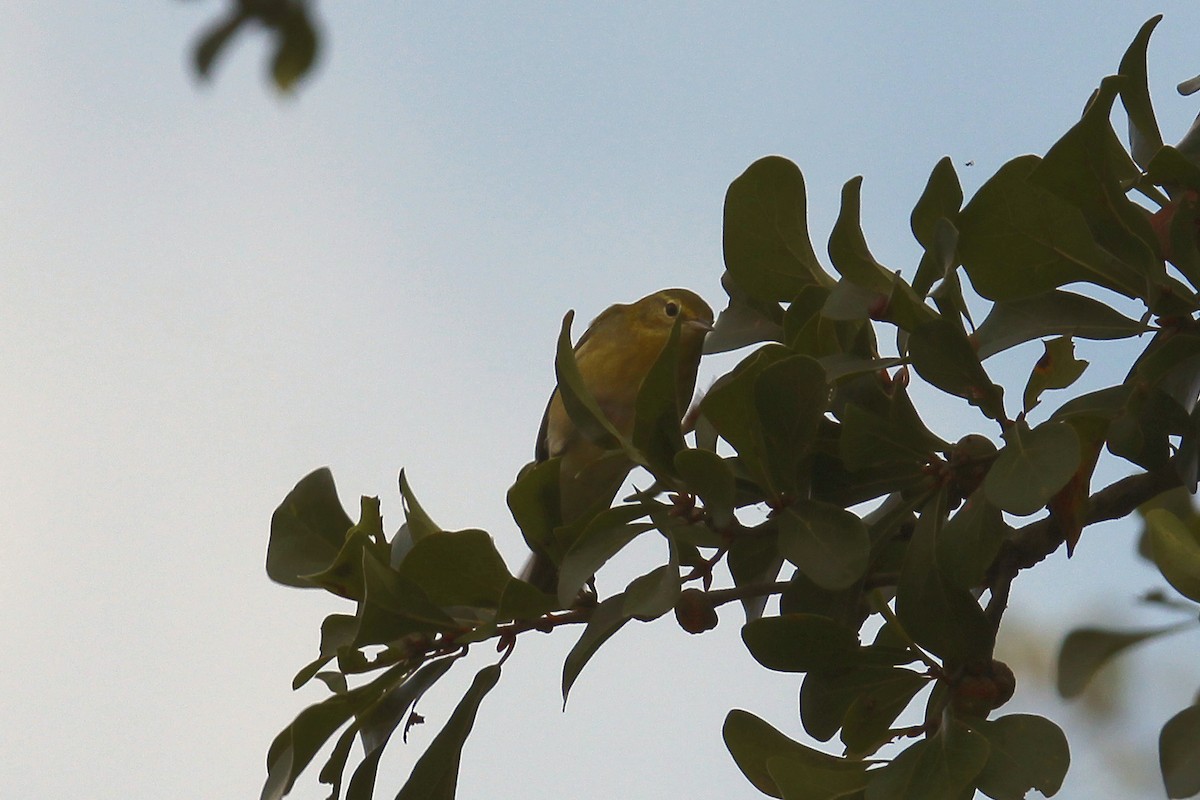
[(603, 538), (707, 475), (767, 249), (435, 775), (307, 530), (1032, 466), (1056, 369), (1027, 752), (1086, 650), (1049, 313), (577, 400), (941, 767), (940, 616), (1176, 550), (214, 40), (1144, 136), (460, 568), (1017, 239), (800, 643), (753, 743), (296, 47), (942, 355), (828, 543), (1179, 753), (607, 618), (790, 398)]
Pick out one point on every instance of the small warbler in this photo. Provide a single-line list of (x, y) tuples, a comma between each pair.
[(614, 355)]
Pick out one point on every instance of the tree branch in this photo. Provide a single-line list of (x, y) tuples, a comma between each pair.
[(1031, 544)]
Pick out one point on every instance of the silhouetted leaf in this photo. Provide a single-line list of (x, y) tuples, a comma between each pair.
[(607, 618), (460, 568), (1032, 466), (828, 543), (767, 248), (1027, 752), (754, 743), (1047, 314), (578, 402), (790, 398), (707, 475), (307, 530), (1179, 753), (603, 538), (435, 775), (942, 355), (1056, 369), (296, 48), (1144, 137), (800, 643), (941, 767), (826, 697)]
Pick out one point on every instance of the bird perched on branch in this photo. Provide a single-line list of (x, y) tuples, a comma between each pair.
[(614, 356)]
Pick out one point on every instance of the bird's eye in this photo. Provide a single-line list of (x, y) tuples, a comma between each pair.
[(672, 308)]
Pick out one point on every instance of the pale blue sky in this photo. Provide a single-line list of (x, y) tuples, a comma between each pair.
[(208, 291)]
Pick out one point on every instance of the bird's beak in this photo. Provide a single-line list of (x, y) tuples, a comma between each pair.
[(698, 325)]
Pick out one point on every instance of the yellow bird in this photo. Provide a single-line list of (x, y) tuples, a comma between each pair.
[(614, 355)]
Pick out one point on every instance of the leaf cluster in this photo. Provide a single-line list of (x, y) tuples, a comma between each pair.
[(813, 477)]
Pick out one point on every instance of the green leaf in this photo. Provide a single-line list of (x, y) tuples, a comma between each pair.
[(869, 439), (604, 537), (790, 397), (1027, 752), (607, 618), (1178, 748), (752, 560), (800, 643), (1176, 550), (1056, 369), (657, 434), (828, 543), (705, 474), (393, 607), (942, 767), (534, 501), (577, 400), (1049, 313), (308, 530), (970, 541), (941, 198), (1017, 239), (943, 356), (1090, 169), (754, 743), (848, 248), (380, 721), (337, 631), (743, 322), (435, 775), (1086, 650), (866, 725), (650, 596), (801, 779), (1144, 136), (460, 568), (941, 616), (767, 249), (343, 576), (419, 523), (1033, 466), (826, 697)]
